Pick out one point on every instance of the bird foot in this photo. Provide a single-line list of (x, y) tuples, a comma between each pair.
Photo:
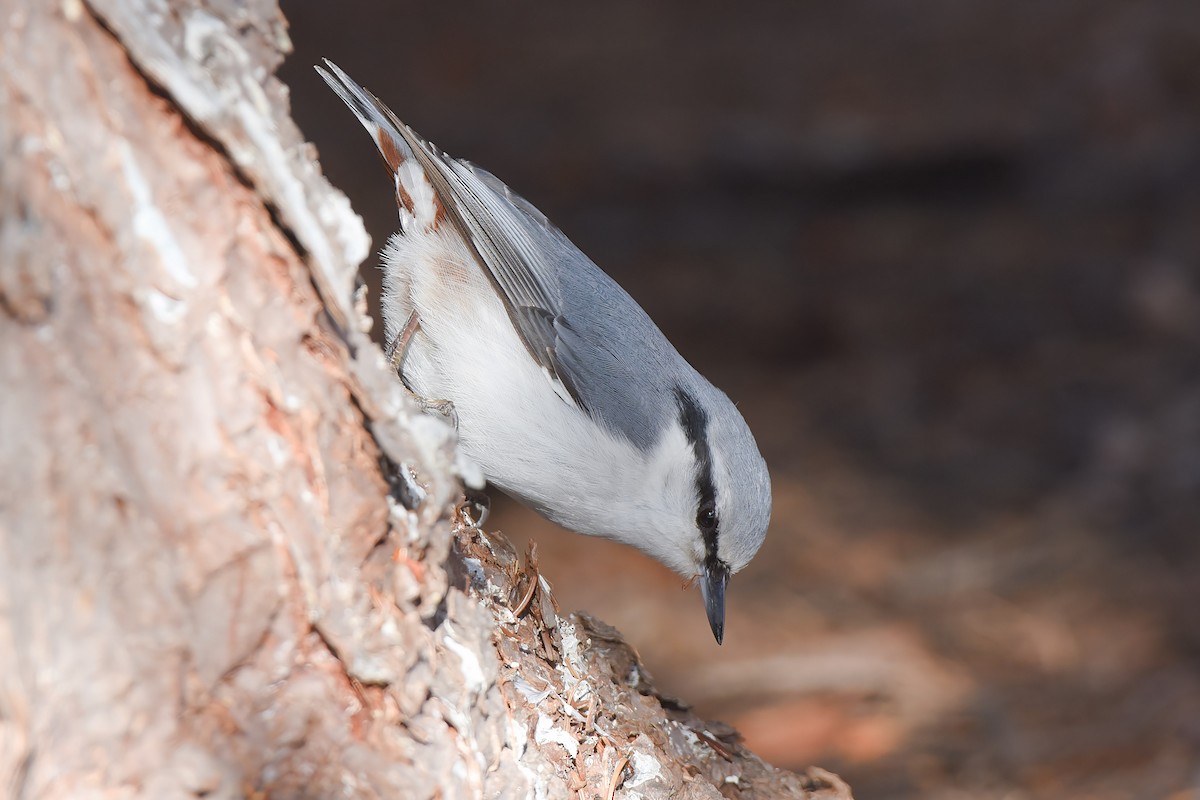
[(472, 510)]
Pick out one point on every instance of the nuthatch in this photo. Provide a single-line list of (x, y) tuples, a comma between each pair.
[(566, 394)]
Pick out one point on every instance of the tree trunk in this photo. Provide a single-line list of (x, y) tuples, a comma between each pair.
[(206, 586)]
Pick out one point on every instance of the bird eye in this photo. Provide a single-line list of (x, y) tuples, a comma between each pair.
[(706, 517)]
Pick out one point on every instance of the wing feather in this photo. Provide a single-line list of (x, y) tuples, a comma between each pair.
[(526, 259)]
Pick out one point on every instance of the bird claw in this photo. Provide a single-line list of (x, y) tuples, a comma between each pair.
[(473, 508), (396, 351), (442, 408)]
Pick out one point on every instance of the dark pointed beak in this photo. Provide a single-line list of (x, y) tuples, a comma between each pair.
[(713, 581)]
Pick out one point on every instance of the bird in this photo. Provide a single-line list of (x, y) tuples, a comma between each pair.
[(564, 392)]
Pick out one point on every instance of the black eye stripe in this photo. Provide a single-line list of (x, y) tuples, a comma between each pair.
[(695, 426)]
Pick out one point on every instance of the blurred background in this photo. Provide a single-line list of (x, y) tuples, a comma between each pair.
[(945, 255)]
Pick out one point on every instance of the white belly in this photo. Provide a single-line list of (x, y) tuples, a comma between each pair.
[(527, 439)]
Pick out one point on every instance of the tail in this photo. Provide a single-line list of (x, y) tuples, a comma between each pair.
[(397, 143)]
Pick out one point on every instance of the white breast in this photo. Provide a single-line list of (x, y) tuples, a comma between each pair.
[(527, 439)]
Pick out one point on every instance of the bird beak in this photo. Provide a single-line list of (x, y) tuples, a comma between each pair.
[(713, 580)]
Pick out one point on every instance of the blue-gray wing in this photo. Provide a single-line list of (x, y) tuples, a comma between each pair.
[(590, 337), (597, 346)]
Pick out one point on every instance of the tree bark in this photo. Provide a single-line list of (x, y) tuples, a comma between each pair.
[(206, 586)]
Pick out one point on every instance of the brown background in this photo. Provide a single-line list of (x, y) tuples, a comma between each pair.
[(944, 255)]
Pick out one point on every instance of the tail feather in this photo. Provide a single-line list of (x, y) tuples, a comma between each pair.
[(414, 193), (377, 118)]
